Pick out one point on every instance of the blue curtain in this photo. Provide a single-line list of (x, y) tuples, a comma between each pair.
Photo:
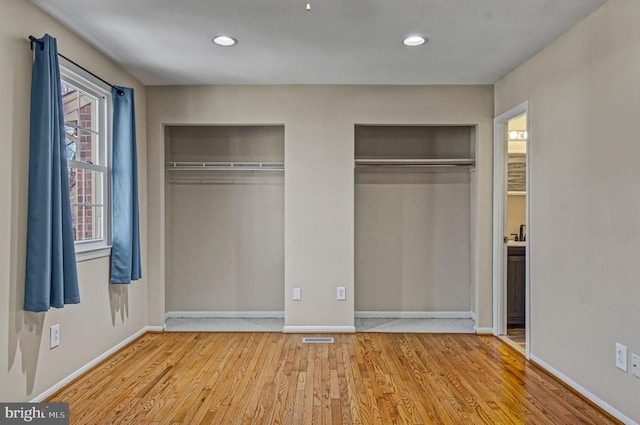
[(51, 276), (125, 236)]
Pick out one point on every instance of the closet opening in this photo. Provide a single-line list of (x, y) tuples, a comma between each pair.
[(224, 227), (414, 228)]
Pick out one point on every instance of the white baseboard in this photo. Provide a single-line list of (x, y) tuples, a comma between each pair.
[(318, 329), (94, 362), (156, 328), (484, 331), (473, 317), (593, 398), (224, 314), (413, 315)]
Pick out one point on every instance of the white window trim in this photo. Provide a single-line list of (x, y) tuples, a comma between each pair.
[(69, 72), (92, 254)]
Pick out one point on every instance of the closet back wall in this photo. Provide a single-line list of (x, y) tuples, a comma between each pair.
[(413, 241), (226, 228), (412, 224)]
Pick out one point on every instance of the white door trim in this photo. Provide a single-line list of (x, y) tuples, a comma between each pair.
[(500, 222)]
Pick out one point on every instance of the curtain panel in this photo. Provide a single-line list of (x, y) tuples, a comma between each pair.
[(51, 275), (125, 235)]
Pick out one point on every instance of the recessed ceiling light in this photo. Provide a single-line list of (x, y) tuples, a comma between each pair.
[(414, 41), (224, 41)]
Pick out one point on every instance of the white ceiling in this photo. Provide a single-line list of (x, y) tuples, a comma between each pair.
[(338, 42)]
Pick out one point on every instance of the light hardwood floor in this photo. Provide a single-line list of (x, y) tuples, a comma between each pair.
[(366, 378)]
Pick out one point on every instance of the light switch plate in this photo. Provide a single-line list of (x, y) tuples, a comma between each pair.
[(297, 295)]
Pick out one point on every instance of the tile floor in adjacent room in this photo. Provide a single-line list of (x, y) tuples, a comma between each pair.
[(415, 325)]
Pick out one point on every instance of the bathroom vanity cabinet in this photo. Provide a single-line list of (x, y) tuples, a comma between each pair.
[(516, 262)]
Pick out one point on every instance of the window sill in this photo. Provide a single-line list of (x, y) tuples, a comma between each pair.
[(92, 254)]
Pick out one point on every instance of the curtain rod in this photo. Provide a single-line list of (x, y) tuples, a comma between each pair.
[(32, 39)]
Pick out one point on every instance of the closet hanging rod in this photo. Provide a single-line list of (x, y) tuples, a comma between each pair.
[(414, 166), (225, 166), (426, 162)]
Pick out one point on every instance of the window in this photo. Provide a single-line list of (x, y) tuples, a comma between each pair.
[(86, 105)]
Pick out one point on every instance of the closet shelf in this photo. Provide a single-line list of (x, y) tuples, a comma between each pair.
[(225, 166), (415, 162)]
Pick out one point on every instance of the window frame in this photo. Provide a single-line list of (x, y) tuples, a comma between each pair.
[(72, 75)]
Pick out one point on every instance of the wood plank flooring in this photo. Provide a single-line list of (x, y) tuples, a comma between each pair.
[(366, 378)]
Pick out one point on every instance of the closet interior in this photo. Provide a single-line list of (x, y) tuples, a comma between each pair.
[(414, 220), (224, 219)]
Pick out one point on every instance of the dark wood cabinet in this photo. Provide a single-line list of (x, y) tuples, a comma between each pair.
[(516, 262)]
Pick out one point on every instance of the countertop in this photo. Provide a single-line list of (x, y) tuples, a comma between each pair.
[(517, 243)]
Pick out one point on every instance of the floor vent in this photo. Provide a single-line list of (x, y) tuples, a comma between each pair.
[(318, 340)]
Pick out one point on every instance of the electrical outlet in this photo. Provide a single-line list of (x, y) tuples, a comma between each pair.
[(297, 296), (635, 365), (342, 293), (54, 334), (621, 357)]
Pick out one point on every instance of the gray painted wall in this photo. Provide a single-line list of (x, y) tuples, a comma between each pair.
[(108, 314), (319, 191), (584, 235)]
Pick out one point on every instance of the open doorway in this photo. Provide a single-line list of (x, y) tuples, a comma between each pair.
[(516, 228), (511, 230)]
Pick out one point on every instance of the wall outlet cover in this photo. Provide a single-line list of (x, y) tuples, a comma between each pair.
[(297, 295), (635, 365), (54, 335), (621, 357), (342, 293)]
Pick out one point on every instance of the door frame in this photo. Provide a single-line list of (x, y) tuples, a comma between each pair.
[(500, 165)]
